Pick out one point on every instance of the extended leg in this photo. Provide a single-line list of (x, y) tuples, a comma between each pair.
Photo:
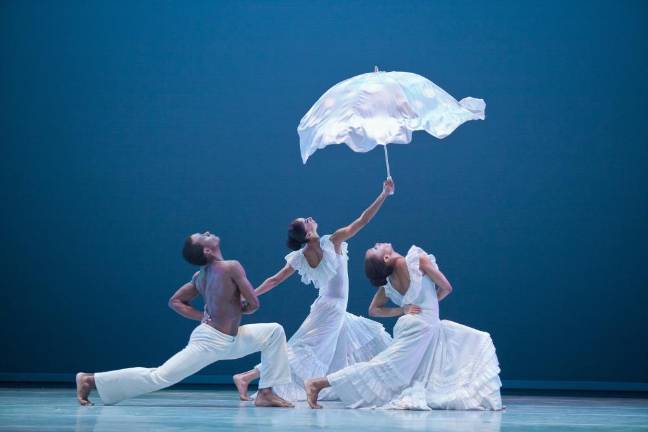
[(205, 347)]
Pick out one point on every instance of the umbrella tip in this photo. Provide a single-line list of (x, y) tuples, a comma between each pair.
[(376, 69)]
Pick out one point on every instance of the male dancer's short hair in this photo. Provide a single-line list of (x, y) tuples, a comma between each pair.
[(193, 252)]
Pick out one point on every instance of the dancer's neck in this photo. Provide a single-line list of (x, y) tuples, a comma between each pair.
[(401, 272), (216, 257)]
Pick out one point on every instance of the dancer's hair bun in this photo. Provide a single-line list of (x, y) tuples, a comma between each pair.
[(296, 235), (293, 244), (377, 271)]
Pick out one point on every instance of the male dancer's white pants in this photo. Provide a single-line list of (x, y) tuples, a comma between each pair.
[(206, 345)]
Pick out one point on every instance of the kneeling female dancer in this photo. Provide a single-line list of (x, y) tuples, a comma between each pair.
[(330, 338), (430, 364)]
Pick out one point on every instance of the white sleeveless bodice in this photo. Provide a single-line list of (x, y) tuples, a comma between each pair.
[(331, 276), (421, 291)]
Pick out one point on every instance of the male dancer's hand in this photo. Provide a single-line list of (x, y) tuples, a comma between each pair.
[(246, 290), (245, 307)]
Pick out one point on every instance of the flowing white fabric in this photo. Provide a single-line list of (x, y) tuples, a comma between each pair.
[(206, 345), (321, 275), (430, 364), (330, 338), (380, 108)]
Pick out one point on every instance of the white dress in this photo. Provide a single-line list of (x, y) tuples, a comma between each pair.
[(430, 364), (330, 338)]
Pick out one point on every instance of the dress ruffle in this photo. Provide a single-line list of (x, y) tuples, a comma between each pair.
[(365, 338), (360, 338), (459, 371), (475, 384), (368, 384), (413, 261), (325, 270)]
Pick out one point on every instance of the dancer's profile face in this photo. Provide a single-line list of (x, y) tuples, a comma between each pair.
[(206, 240), (381, 251), (310, 225)]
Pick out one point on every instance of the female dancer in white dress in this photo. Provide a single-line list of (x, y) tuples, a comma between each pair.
[(430, 364), (330, 338)]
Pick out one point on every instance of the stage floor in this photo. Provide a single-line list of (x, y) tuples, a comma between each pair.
[(50, 409)]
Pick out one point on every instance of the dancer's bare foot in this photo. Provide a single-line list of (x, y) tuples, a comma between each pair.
[(312, 391), (267, 398), (242, 384), (84, 384)]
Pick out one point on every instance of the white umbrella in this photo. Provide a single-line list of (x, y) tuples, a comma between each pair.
[(379, 108)]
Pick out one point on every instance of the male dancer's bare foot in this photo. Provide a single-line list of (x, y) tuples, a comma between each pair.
[(312, 392), (242, 381), (84, 384), (267, 398)]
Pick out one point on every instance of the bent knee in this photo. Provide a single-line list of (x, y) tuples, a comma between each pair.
[(278, 330)]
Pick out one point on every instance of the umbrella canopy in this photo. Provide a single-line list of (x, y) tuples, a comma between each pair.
[(380, 108)]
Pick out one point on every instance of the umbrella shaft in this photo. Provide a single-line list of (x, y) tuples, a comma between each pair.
[(387, 161)]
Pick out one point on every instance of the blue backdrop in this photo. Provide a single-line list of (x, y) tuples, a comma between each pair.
[(126, 126)]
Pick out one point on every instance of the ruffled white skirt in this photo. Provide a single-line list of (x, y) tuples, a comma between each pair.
[(443, 365), (330, 339)]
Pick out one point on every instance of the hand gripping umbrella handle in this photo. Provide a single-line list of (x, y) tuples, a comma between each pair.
[(387, 165)]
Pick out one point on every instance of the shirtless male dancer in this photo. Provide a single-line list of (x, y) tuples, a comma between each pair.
[(222, 284)]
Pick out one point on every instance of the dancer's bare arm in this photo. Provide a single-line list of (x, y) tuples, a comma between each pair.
[(275, 280), (380, 299), (349, 231), (251, 303), (181, 302), (443, 285)]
